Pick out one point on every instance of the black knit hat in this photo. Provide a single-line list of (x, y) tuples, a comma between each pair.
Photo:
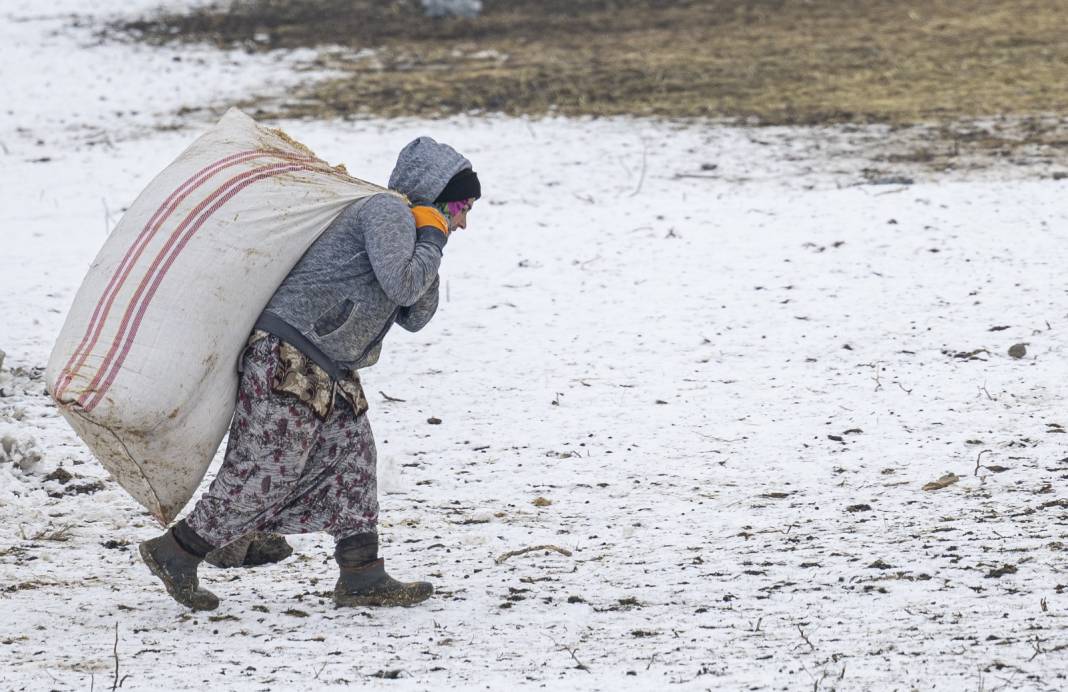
[(464, 185)]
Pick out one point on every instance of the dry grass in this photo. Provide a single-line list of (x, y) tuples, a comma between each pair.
[(771, 61), (60, 535)]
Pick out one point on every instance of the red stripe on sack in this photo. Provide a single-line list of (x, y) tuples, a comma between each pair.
[(222, 195), (133, 253), (147, 277)]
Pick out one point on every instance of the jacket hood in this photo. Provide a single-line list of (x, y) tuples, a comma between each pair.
[(424, 167)]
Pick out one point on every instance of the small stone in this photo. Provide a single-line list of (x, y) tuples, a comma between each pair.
[(944, 482), (433, 420), (541, 501), (999, 572), (1018, 350), (61, 474)]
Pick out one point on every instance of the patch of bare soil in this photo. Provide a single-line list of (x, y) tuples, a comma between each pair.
[(768, 62)]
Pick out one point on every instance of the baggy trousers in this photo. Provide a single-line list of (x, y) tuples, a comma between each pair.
[(286, 470)]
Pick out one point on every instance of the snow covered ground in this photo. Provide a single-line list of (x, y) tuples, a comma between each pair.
[(729, 367)]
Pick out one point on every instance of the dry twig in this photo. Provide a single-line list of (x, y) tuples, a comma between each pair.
[(805, 637), (58, 535), (1036, 644), (579, 664), (115, 652), (875, 370), (983, 390), (571, 650), (522, 551)]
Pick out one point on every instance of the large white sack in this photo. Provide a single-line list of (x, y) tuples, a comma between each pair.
[(145, 367)]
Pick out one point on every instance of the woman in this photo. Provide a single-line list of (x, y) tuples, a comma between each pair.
[(301, 456)]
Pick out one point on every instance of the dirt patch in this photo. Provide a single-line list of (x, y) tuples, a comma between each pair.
[(775, 61), (962, 83)]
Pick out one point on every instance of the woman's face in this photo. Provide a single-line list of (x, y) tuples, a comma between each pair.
[(459, 220), (458, 214)]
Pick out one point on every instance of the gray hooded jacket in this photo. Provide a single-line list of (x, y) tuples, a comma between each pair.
[(370, 268)]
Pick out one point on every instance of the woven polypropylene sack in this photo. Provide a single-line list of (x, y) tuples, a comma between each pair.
[(145, 367)]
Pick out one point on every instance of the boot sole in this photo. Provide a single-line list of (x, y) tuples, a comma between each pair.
[(157, 571), (377, 602)]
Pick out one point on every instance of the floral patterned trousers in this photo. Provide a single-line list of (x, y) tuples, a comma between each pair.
[(287, 469)]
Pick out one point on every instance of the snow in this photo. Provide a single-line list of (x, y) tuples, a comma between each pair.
[(452, 8), (660, 347)]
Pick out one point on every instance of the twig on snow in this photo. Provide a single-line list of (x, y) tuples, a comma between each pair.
[(805, 637), (875, 369), (890, 192), (387, 397), (115, 653), (816, 682), (983, 390), (579, 664), (534, 548), (1036, 644), (719, 439), (58, 535), (978, 457), (571, 650)]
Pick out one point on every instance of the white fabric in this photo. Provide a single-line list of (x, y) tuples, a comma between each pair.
[(145, 367)]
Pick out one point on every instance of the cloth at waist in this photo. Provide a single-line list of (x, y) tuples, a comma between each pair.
[(300, 376)]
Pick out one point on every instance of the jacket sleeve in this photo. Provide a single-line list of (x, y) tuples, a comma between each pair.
[(415, 316), (405, 259)]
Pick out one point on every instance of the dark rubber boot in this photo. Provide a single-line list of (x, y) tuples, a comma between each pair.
[(177, 569), (251, 550), (267, 548), (369, 585)]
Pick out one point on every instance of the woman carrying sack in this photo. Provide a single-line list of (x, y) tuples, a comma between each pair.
[(300, 456)]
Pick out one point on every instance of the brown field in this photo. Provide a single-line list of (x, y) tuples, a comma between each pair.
[(982, 77), (774, 61)]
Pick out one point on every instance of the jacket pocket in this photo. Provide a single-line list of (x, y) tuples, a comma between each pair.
[(333, 318)]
